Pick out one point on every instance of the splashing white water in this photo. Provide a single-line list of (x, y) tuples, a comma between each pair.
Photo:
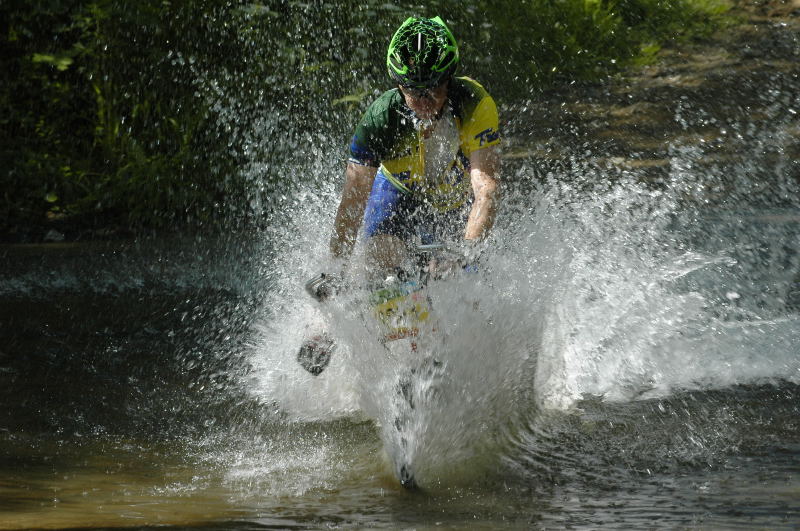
[(596, 291)]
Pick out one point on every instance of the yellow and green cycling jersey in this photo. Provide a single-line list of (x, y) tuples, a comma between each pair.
[(390, 137)]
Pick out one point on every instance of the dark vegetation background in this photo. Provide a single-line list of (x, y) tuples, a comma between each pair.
[(119, 117)]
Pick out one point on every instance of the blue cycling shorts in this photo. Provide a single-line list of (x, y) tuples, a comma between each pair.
[(406, 215)]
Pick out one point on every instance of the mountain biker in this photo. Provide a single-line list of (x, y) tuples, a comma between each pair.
[(424, 157)]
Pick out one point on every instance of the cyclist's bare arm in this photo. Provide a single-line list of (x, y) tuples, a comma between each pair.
[(484, 167), (357, 186)]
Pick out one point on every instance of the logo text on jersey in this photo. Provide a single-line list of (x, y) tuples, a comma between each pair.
[(487, 136)]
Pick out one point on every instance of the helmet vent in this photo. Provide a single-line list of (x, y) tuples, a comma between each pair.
[(422, 52), (447, 59)]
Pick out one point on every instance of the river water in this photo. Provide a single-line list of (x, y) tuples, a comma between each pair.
[(152, 383), (629, 355)]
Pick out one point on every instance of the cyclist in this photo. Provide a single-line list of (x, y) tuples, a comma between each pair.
[(424, 157)]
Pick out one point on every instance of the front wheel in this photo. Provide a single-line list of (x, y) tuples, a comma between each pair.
[(415, 395)]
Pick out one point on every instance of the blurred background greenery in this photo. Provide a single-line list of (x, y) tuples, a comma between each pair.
[(127, 116)]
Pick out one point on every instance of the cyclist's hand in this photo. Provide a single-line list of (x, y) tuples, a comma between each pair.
[(443, 267), (463, 257), (324, 285)]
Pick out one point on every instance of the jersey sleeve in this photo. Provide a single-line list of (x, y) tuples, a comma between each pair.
[(481, 126), (362, 146), (369, 144)]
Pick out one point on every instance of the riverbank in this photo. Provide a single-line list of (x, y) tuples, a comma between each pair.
[(684, 97)]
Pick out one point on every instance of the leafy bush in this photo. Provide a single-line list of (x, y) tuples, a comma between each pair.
[(155, 113)]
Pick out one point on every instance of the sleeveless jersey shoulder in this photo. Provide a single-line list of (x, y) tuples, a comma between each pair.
[(378, 130), (477, 115)]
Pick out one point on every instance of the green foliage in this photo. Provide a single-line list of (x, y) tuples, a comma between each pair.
[(155, 113), (534, 43)]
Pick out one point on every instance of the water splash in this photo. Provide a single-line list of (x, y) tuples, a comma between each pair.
[(603, 283)]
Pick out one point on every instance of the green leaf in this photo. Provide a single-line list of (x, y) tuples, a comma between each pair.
[(61, 63), (350, 98), (51, 197), (650, 50)]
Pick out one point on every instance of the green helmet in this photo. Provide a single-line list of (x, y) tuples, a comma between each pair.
[(422, 54)]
